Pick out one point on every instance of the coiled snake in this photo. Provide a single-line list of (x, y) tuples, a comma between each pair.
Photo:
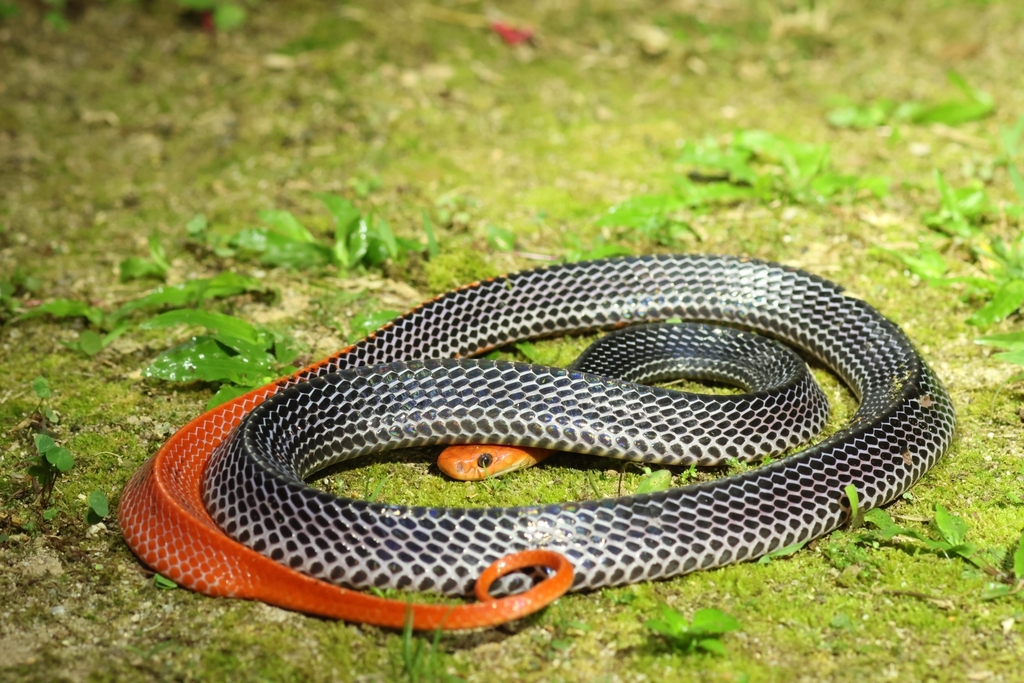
[(223, 509)]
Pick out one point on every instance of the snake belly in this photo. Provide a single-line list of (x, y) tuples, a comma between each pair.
[(408, 384)]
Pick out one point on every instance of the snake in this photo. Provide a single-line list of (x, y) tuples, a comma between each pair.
[(223, 508), (772, 375)]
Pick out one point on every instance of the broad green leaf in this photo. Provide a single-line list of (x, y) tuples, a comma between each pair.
[(972, 93), (1014, 357), (163, 582), (876, 185), (501, 239), (41, 388), (286, 225), (782, 552), (675, 621), (276, 249), (952, 528), (383, 230), (192, 292), (358, 242), (135, 268), (98, 503), (952, 113), (216, 323), (365, 323), (880, 518), (44, 443), (203, 358), (381, 244), (856, 516), (65, 308), (90, 342), (733, 161), (1006, 301), (598, 251), (227, 17), (710, 621), (344, 212), (829, 184), (48, 515), (60, 458), (638, 212), (651, 482), (225, 394), (929, 264), (868, 116), (196, 225), (694, 195), (529, 350)]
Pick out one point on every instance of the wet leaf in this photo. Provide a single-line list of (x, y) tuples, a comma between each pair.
[(204, 358)]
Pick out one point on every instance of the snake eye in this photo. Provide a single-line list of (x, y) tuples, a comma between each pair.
[(484, 461)]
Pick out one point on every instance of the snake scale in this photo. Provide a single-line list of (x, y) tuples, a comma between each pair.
[(240, 469)]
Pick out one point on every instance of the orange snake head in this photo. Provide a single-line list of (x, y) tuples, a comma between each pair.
[(475, 463)]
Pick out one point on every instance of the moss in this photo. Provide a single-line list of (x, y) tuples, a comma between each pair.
[(129, 122), (452, 269)]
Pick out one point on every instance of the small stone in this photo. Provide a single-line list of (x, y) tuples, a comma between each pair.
[(920, 149), (654, 42), (276, 62)]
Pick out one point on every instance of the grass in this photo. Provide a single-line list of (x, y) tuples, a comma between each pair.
[(129, 138)]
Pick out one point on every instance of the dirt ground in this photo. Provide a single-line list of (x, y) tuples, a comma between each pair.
[(133, 119)]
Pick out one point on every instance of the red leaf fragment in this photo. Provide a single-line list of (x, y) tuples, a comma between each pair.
[(510, 34)]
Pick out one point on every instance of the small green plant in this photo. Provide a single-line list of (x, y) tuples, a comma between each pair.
[(501, 239), (51, 462), (163, 583), (156, 266), (702, 634), (41, 388), (961, 211), (55, 14), (856, 519), (98, 507), (1014, 353), (976, 105), (17, 285), (110, 326), (234, 354), (418, 660), (952, 534), (283, 241), (226, 15), (653, 481), (8, 9), (750, 165), (1011, 581), (785, 551), (369, 321)]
